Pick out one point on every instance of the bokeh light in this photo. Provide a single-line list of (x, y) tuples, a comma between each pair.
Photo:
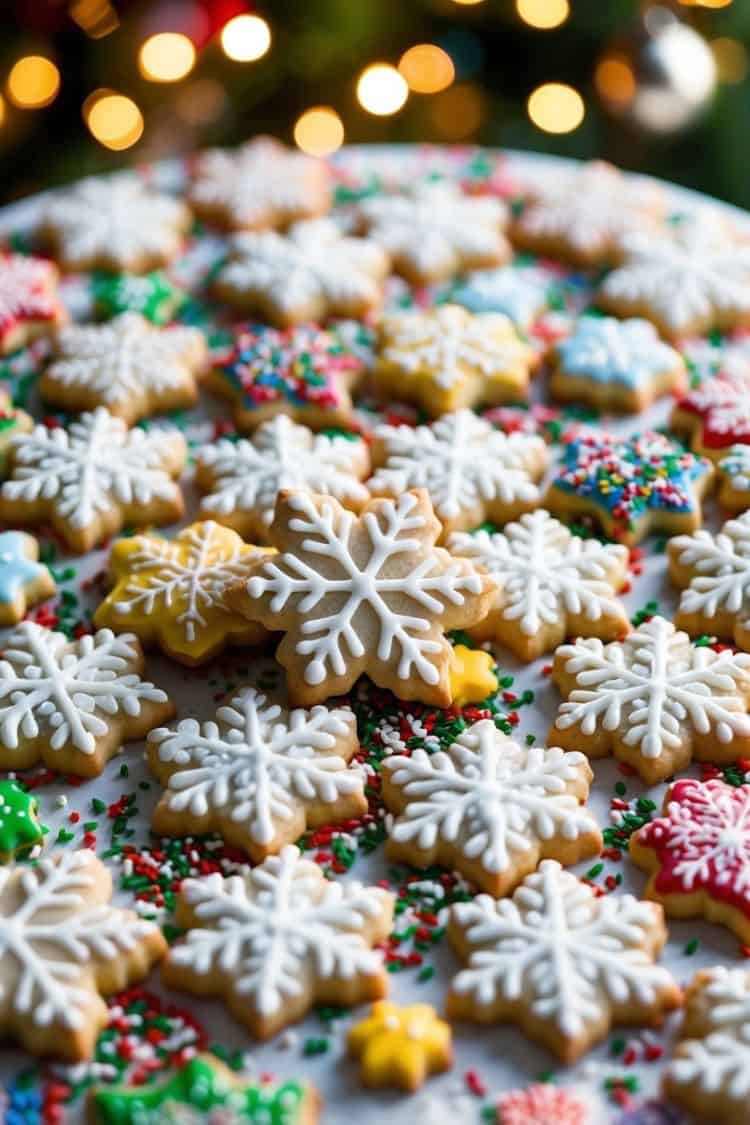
[(113, 119), (556, 108), (245, 38), (319, 131), (543, 14), (427, 68), (456, 114), (166, 57), (2, 109), (381, 89), (201, 102), (33, 82), (468, 3), (96, 17), (614, 80), (731, 59)]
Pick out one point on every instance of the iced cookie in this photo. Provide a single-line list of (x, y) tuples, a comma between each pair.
[(279, 939), (521, 293), (69, 945), (619, 365), (241, 479), (114, 223), (445, 358), (12, 423), (29, 304), (151, 295), (630, 486), (713, 572), (552, 584), (734, 479), (544, 1103), (472, 471), (205, 1090), (709, 1076), (363, 594), (435, 231), (20, 830), (260, 184), (654, 701), (698, 853), (310, 273), (72, 704), (688, 277), (401, 1046), (305, 372), (128, 365), (558, 960), (24, 581), (92, 478), (172, 592), (472, 675), (260, 775), (489, 808), (582, 215), (714, 416)]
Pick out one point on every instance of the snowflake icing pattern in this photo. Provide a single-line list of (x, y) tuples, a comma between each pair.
[(610, 351), (27, 297), (717, 412), (717, 568)]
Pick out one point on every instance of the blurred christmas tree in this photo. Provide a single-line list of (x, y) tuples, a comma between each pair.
[(89, 85)]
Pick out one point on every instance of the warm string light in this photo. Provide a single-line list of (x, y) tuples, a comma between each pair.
[(614, 80), (114, 120), (319, 131), (245, 38), (543, 14), (556, 108), (166, 57), (427, 69), (33, 82), (381, 90)]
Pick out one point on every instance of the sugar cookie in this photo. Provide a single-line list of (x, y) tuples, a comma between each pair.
[(29, 304), (734, 479), (152, 295), (12, 423), (472, 675), (401, 1046), (24, 581), (713, 572), (20, 830), (521, 293), (714, 415)]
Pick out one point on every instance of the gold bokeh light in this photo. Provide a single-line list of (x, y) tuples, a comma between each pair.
[(556, 108), (381, 90), (166, 57), (427, 69), (33, 82), (319, 131), (543, 14), (114, 120), (245, 38)]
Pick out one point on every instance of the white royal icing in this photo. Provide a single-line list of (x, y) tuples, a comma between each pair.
[(721, 562), (68, 692), (625, 352), (520, 292), (718, 1063), (545, 572), (736, 467)]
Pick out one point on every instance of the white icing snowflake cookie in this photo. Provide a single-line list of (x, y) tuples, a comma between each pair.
[(29, 304), (582, 216), (552, 584), (445, 358), (172, 592), (92, 478), (698, 853), (709, 1076), (690, 277), (259, 185), (472, 471), (489, 808), (242, 479), (615, 365), (114, 223), (713, 572), (260, 775), (279, 939), (363, 594), (310, 273), (63, 946), (435, 231), (71, 704), (654, 701), (734, 479), (128, 365), (560, 961), (519, 292)]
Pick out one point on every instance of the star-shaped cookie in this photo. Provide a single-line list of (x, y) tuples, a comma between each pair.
[(713, 572), (734, 479), (29, 304), (714, 415), (24, 581), (400, 1046), (12, 423)]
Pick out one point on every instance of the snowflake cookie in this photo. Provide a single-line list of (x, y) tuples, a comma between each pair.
[(152, 295), (615, 365), (71, 704), (698, 853), (715, 415), (303, 371), (472, 471), (62, 945), (583, 215), (401, 1046), (12, 423), (692, 276), (259, 185), (310, 273), (709, 1076), (171, 592), (369, 594), (654, 701), (29, 305), (544, 1103), (114, 223), (24, 581), (630, 486), (435, 231), (713, 572), (242, 479), (552, 584), (20, 830), (445, 358), (260, 775), (128, 365), (92, 478), (489, 808), (562, 962), (519, 292), (734, 479), (278, 939), (206, 1091)]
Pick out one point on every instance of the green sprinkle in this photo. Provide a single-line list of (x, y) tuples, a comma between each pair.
[(595, 871), (64, 836), (620, 788), (315, 1047), (427, 973), (691, 947), (98, 806)]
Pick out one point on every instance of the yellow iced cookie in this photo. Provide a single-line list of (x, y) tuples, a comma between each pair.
[(401, 1046), (471, 675)]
